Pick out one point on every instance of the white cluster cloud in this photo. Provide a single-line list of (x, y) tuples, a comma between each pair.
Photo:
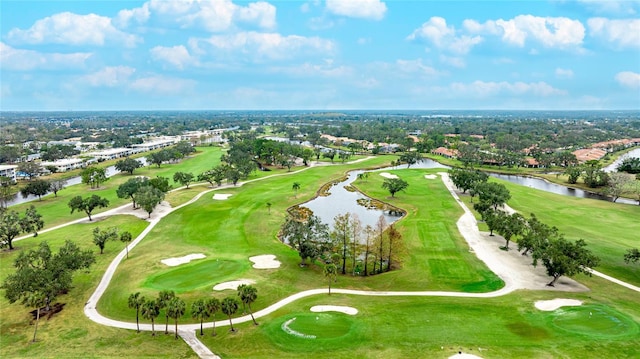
[(110, 76), (489, 89), (622, 7), (416, 67), (621, 32), (272, 46), (177, 56), (73, 29), (24, 60), (628, 79), (213, 16), (564, 73), (363, 9), (443, 36), (551, 32)]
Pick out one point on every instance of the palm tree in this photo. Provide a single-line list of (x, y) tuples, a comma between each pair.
[(229, 307), (296, 187), (199, 310), (164, 298), (213, 306), (269, 207), (136, 301), (175, 309), (330, 271), (150, 311), (248, 294), (125, 237)]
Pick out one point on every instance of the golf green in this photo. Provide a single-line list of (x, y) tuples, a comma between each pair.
[(192, 276), (594, 320), (308, 331)]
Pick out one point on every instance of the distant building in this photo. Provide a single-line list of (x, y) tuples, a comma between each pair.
[(588, 154), (9, 171), (64, 165), (445, 152)]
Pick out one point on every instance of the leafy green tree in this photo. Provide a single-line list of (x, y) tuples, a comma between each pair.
[(213, 306), (467, 179), (510, 225), (394, 185), (232, 175), (229, 307), (363, 176), (87, 204), (128, 165), (184, 178), (12, 225), (573, 173), (593, 175), (175, 309), (410, 158), (148, 198), (6, 193), (496, 194), (135, 302), (330, 272), (536, 234), (618, 183), (630, 165), (632, 255), (331, 154), (57, 185), (130, 188), (184, 148), (94, 176), (158, 157), (248, 294), (30, 168), (37, 188), (307, 235), (160, 183), (32, 221), (562, 257), (199, 310), (125, 237), (41, 276), (101, 237), (342, 230), (164, 297), (151, 310)]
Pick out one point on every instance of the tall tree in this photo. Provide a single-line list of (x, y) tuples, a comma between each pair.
[(200, 311), (510, 225), (164, 297), (395, 245), (41, 276), (101, 237), (128, 165), (379, 243), (536, 234), (160, 183), (184, 178), (248, 294), (229, 307), (130, 188), (618, 183), (175, 309), (148, 198), (562, 257), (356, 229), (125, 237), (57, 185), (30, 169), (87, 204), (150, 311), (496, 194), (296, 188), (369, 233), (32, 221), (394, 185), (94, 176), (135, 302), (213, 306), (342, 230), (330, 272), (12, 225), (37, 188), (307, 235)]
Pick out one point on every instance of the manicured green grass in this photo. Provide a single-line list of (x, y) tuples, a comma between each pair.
[(197, 275), (69, 334)]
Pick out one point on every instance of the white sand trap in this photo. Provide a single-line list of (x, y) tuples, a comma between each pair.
[(334, 308), (172, 262), (234, 284), (430, 176), (464, 356), (550, 305), (221, 196), (265, 261), (388, 175)]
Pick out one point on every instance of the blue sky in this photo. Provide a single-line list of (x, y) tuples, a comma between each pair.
[(329, 54)]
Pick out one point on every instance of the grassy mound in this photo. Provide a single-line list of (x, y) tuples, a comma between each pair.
[(594, 320)]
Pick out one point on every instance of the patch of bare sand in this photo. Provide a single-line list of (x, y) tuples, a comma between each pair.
[(233, 285), (334, 308), (551, 305)]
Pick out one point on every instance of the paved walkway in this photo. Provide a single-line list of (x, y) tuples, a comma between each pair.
[(507, 265)]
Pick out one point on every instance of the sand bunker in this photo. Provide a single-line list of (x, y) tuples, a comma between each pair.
[(234, 284), (430, 176), (172, 262), (265, 261), (388, 175), (334, 308), (464, 356), (221, 196), (550, 305)]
